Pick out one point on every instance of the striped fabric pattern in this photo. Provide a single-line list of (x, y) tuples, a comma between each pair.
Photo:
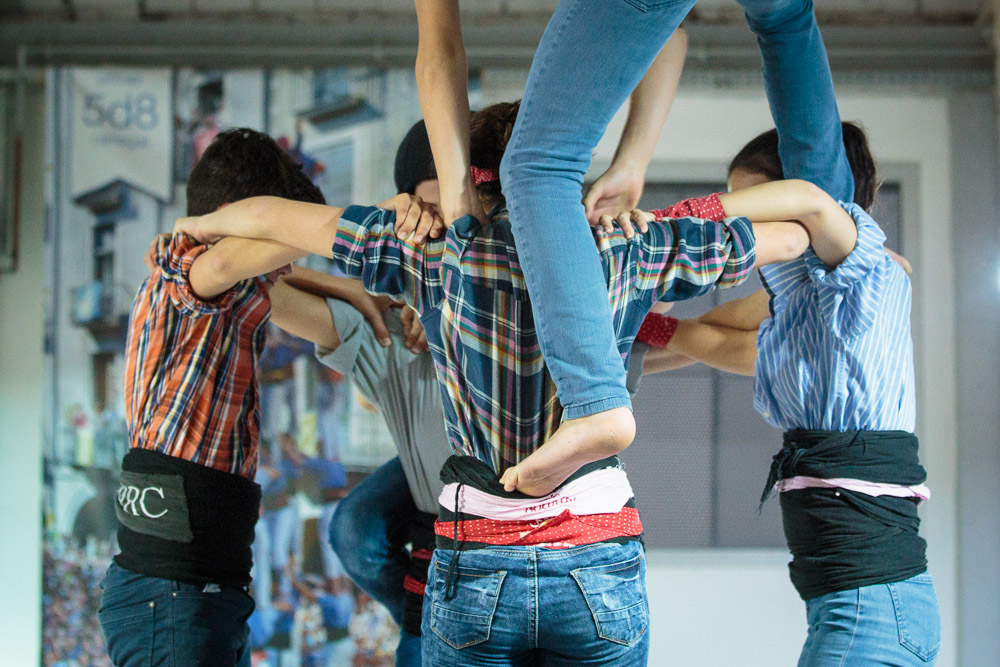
[(190, 387), (499, 400), (836, 354)]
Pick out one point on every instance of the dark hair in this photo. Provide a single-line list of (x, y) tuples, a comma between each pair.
[(760, 156), (414, 160), (243, 163), (489, 131)]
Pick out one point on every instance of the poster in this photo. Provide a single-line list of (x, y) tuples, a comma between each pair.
[(123, 144)]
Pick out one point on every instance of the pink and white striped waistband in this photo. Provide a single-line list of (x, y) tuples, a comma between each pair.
[(920, 491)]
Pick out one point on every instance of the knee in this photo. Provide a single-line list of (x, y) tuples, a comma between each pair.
[(778, 16)]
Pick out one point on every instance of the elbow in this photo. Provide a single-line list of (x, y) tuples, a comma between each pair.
[(812, 198)]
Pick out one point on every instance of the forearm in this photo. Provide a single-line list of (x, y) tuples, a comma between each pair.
[(322, 284), (661, 359), (303, 314), (832, 232), (234, 259), (442, 86), (650, 104), (730, 350), (746, 313), (312, 228)]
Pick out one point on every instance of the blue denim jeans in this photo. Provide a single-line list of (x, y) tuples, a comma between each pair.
[(591, 56), (152, 621), (887, 624), (536, 606), (368, 533)]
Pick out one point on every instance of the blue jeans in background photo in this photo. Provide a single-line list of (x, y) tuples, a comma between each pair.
[(368, 533)]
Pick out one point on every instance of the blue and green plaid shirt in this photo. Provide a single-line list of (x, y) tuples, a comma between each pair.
[(499, 400)]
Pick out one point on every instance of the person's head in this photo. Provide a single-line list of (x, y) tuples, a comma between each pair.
[(758, 162), (242, 163), (489, 133), (415, 173)]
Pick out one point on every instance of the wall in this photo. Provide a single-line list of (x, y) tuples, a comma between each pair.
[(21, 379)]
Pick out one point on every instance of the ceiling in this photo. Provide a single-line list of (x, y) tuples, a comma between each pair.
[(861, 35)]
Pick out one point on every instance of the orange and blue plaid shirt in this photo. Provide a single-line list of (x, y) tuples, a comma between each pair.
[(499, 400), (190, 385)]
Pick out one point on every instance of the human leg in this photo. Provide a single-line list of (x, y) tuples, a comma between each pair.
[(591, 57), (148, 620), (800, 93), (368, 532), (480, 614), (886, 624), (599, 594)]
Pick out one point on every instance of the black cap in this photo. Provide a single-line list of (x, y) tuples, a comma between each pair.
[(414, 161)]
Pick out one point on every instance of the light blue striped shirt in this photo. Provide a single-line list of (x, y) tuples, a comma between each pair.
[(836, 353)]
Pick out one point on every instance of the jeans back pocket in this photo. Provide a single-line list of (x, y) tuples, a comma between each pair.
[(917, 616), (616, 595), (464, 618), (129, 633)]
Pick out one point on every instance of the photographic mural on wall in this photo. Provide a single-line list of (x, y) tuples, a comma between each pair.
[(121, 145)]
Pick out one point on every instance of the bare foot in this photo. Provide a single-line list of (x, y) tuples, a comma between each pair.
[(577, 442)]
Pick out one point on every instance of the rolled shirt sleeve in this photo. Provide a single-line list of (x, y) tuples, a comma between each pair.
[(685, 257), (850, 295), (366, 247), (175, 256)]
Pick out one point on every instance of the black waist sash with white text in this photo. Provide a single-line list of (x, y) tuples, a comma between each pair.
[(840, 539), (184, 521)]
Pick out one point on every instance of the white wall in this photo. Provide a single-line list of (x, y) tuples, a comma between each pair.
[(21, 381)]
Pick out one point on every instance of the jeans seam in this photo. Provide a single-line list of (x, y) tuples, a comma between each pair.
[(854, 629)]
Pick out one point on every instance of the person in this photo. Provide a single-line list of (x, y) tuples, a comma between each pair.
[(187, 504), (848, 476), (500, 408), (591, 56)]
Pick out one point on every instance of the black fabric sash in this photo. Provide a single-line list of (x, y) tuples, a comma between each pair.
[(840, 539), (196, 524), (888, 457)]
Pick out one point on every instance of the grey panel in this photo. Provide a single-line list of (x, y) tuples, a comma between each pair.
[(669, 463), (746, 445)]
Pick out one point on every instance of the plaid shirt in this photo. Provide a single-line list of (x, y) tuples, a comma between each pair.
[(190, 388), (499, 400)]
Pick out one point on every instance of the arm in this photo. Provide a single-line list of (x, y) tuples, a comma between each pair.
[(442, 85), (831, 229), (311, 228), (660, 359), (620, 187), (730, 350), (233, 259), (304, 315), (746, 313)]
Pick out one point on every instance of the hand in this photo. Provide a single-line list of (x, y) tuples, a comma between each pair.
[(416, 337), (149, 259), (530, 480), (902, 261), (414, 216), (618, 189), (372, 308), (196, 227), (625, 220)]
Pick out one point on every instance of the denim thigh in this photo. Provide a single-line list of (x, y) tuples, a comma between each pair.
[(896, 624), (369, 531), (153, 621), (536, 606)]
